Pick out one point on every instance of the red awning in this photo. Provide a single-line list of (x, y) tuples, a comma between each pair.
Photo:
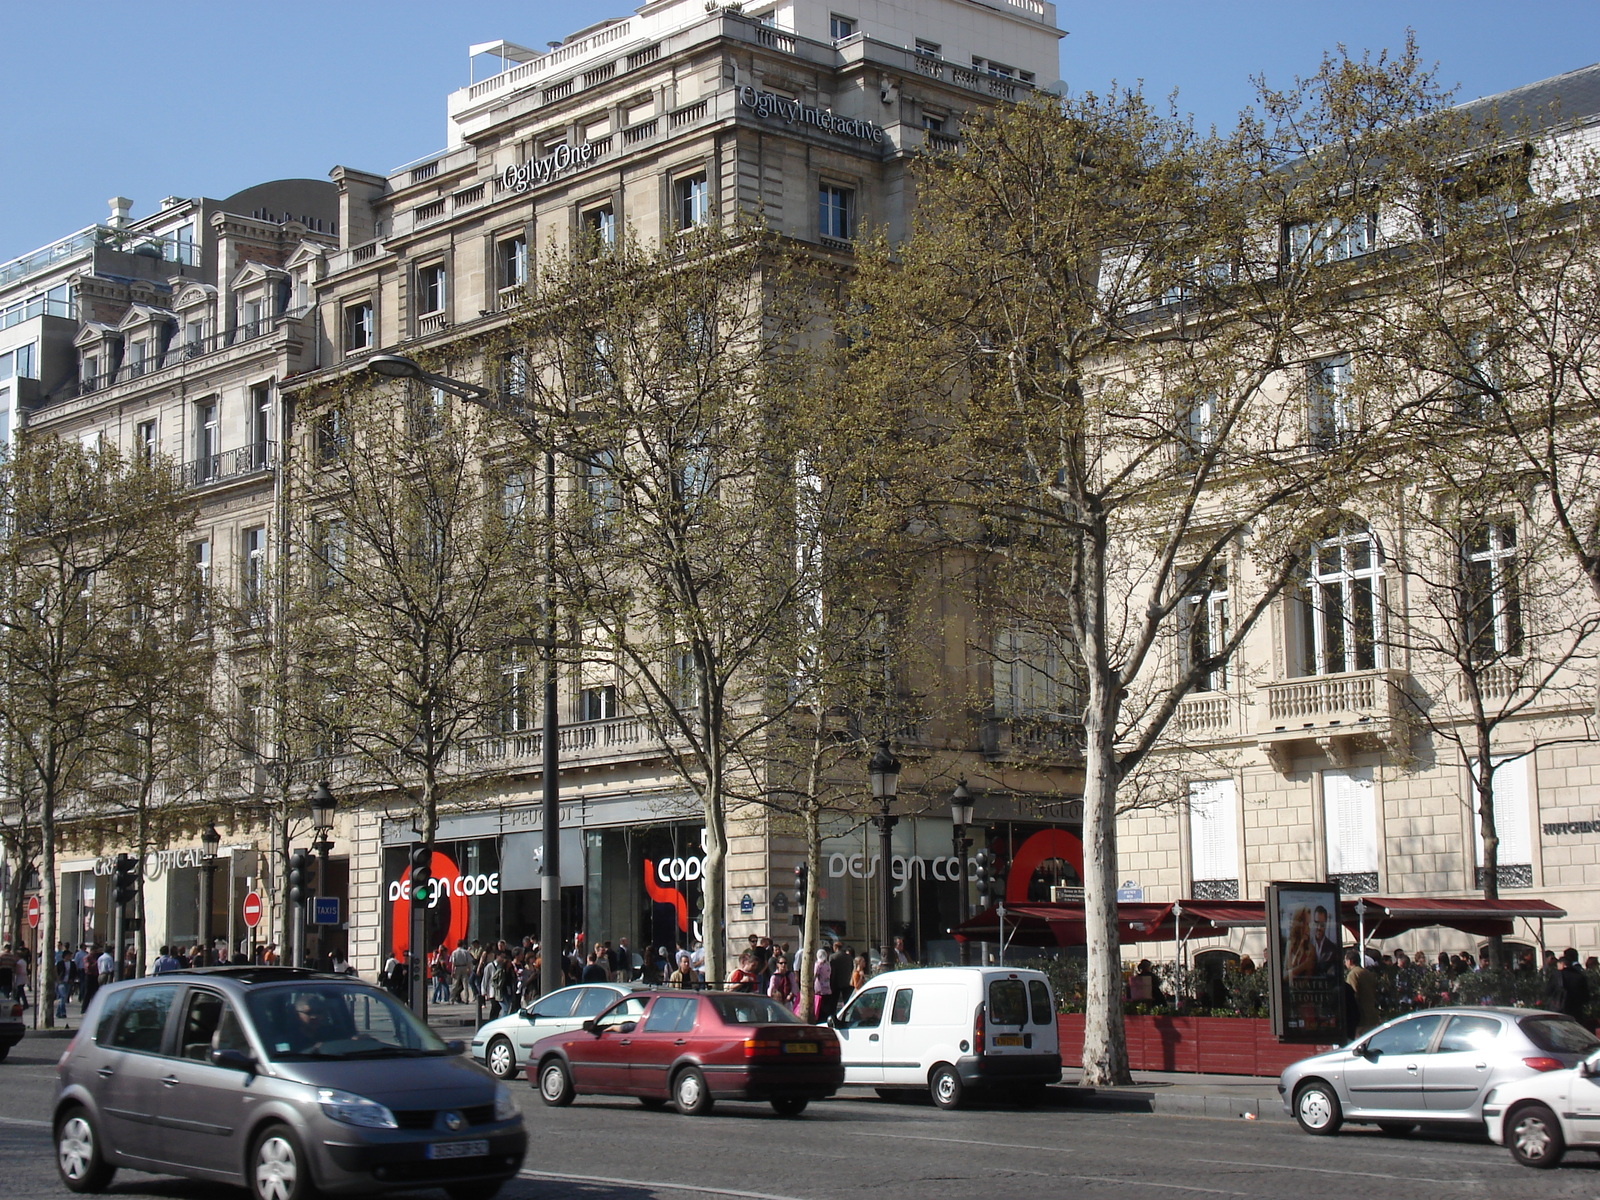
[(1390, 916)]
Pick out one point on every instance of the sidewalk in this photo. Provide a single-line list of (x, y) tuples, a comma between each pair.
[(1245, 1097)]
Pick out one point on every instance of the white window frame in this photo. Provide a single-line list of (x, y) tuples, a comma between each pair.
[(1207, 627), (513, 255), (1214, 834), (253, 563), (1490, 580), (836, 216), (1032, 675), (1330, 400), (433, 284), (1342, 603), (841, 27), (360, 330), (692, 196)]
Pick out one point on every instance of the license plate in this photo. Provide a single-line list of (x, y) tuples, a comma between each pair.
[(799, 1047), (472, 1149), (1008, 1039)]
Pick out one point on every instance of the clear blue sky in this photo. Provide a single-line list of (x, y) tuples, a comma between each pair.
[(188, 98)]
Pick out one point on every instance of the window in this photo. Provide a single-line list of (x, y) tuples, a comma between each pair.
[(260, 425), (684, 679), (250, 715), (597, 703), (1198, 417), (598, 357), (514, 376), (592, 1000), (90, 373), (515, 709), (1044, 1012), (600, 227), (1469, 1035), (1490, 596), (1408, 1037), (1514, 856), (206, 447), (672, 1014), (693, 194), (1329, 404), (142, 1023), (931, 49), (146, 443), (1339, 605), (1032, 677), (1213, 845), (932, 124), (514, 262), (1008, 1002), (600, 488), (330, 435), (1350, 829), (514, 499), (138, 358), (1476, 378), (330, 541), (429, 407), (1332, 241), (253, 548), (836, 215), (839, 27), (1208, 628), (358, 333), (866, 1010), (199, 577), (430, 289), (900, 1013)]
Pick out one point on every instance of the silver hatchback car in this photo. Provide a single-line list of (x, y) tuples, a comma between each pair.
[(1431, 1066), (286, 1081)]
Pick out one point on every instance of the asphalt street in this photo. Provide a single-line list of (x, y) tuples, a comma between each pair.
[(859, 1146)]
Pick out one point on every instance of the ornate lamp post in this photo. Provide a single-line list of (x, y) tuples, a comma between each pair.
[(210, 843), (960, 818), (883, 773), (320, 801)]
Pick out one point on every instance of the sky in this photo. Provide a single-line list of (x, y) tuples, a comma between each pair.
[(198, 98)]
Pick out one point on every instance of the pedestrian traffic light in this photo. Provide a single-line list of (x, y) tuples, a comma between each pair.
[(124, 879), (421, 874), (800, 894), (299, 876), (982, 866)]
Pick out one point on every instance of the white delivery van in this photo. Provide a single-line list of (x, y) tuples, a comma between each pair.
[(952, 1030)]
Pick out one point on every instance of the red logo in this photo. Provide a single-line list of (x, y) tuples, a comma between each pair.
[(666, 895)]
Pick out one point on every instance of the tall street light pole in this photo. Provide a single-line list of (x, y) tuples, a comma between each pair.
[(397, 366), (210, 843), (883, 773), (960, 818), (322, 805)]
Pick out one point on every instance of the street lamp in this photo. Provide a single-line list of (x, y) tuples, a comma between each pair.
[(210, 843), (883, 773), (322, 805), (960, 818), (398, 366)]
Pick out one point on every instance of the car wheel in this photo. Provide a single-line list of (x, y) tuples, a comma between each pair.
[(690, 1095), (1533, 1135), (78, 1159), (501, 1058), (278, 1169), (1397, 1129), (1316, 1108), (945, 1086), (789, 1106), (4, 1050), (555, 1083), (653, 1103)]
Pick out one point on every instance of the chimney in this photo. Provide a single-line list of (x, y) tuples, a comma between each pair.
[(119, 211)]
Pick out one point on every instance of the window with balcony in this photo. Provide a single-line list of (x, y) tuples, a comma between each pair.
[(929, 49), (1033, 676), (1338, 605), (839, 27), (597, 703), (682, 678), (138, 358), (1350, 829), (251, 722), (514, 697), (1213, 839), (145, 443), (514, 262), (1490, 596), (1330, 403), (1512, 823), (430, 289), (1206, 617), (693, 196), (207, 442), (260, 426), (358, 327), (836, 212)]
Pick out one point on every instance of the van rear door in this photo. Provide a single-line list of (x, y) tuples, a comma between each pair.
[(1009, 1028)]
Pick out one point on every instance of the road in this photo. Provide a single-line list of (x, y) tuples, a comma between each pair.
[(859, 1145)]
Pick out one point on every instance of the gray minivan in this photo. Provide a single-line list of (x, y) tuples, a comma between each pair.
[(284, 1080)]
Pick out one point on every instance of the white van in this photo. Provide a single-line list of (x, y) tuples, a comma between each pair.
[(952, 1029)]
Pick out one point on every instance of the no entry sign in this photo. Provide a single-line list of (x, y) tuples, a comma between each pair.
[(252, 910), (33, 912)]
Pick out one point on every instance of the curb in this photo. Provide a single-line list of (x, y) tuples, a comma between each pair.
[(1180, 1104)]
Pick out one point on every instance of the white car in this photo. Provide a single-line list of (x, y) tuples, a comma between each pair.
[(502, 1044), (1537, 1119)]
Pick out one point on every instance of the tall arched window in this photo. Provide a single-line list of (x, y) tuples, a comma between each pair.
[(1340, 609)]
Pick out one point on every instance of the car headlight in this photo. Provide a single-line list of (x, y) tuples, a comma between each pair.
[(355, 1110), (505, 1105)]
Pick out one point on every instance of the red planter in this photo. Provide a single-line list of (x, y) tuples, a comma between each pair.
[(1207, 1045)]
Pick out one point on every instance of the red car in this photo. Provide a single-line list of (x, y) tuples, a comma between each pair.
[(693, 1049)]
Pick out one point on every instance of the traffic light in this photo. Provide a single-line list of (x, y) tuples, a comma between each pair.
[(800, 894), (998, 869), (124, 879), (299, 876), (421, 873)]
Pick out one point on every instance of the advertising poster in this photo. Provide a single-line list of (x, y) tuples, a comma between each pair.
[(1306, 961)]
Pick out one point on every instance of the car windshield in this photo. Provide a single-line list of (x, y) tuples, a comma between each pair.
[(1559, 1035), (738, 1009), (309, 1021)]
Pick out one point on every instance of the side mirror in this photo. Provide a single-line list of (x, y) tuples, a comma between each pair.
[(589, 1027), (234, 1060), (455, 1046)]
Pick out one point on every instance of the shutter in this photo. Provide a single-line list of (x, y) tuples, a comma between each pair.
[(1213, 820), (1350, 821), (1510, 812)]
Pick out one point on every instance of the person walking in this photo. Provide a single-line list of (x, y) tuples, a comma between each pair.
[(840, 967), (490, 982), (822, 1005), (1363, 995), (1574, 987), (780, 983), (460, 972)]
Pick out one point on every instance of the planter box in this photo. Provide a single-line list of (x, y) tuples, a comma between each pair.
[(1206, 1045)]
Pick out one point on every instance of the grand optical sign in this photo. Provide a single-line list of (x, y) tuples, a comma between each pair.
[(791, 112), (563, 160)]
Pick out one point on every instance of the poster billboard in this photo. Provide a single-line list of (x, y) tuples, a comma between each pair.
[(1306, 962)]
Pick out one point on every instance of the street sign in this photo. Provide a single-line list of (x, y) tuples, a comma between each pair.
[(1130, 892), (325, 910), (252, 909), (747, 904), (33, 912)]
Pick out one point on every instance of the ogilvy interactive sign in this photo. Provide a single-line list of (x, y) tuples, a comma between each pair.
[(791, 112)]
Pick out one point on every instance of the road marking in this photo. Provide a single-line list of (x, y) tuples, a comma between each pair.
[(1287, 1166), (916, 1137), (24, 1121), (655, 1184)]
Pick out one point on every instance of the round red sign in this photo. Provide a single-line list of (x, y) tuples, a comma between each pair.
[(252, 910), (33, 912)]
